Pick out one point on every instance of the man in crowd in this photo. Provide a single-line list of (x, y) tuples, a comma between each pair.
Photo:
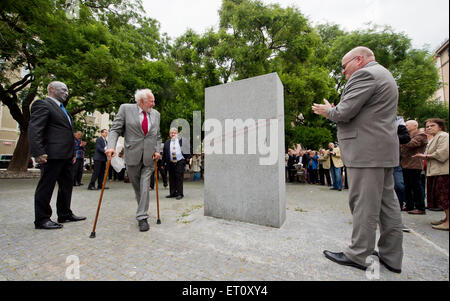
[(80, 149), (292, 159), (99, 161), (175, 163), (139, 124), (52, 146), (333, 157), (412, 168), (324, 168), (367, 134)]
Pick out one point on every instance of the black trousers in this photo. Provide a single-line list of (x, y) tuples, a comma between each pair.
[(176, 176), (52, 172), (292, 172), (78, 171), (98, 174), (413, 189), (324, 173), (312, 176), (161, 171)]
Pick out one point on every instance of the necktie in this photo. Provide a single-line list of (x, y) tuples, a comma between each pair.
[(174, 153), (145, 123), (65, 112)]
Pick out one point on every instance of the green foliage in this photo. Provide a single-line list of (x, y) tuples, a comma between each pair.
[(111, 49), (312, 137)]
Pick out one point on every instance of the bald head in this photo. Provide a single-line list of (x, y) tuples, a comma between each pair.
[(356, 59), (412, 126), (361, 51)]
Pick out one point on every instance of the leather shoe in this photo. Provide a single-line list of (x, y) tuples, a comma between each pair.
[(179, 197), (48, 225), (416, 211), (170, 196), (99, 188), (342, 259), (386, 265), (70, 218), (92, 188), (143, 225)]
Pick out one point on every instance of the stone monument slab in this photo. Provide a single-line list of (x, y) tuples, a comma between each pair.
[(244, 151)]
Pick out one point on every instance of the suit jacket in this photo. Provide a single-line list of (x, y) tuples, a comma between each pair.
[(337, 161), (99, 154), (137, 146), (50, 132), (366, 119), (167, 156), (417, 144), (437, 150)]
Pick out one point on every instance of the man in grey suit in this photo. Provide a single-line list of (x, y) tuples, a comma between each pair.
[(140, 125), (367, 133)]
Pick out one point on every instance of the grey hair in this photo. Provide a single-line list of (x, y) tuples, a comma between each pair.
[(54, 84), (141, 93), (173, 130)]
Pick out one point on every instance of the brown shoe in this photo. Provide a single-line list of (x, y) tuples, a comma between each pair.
[(416, 211), (441, 227), (436, 223)]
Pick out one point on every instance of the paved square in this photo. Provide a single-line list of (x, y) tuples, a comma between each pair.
[(189, 246)]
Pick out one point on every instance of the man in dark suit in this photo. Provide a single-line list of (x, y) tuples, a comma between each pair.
[(52, 145), (175, 163), (293, 159), (99, 161)]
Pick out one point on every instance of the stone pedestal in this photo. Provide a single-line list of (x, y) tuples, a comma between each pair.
[(244, 151)]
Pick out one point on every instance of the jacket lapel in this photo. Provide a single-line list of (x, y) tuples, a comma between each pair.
[(60, 112)]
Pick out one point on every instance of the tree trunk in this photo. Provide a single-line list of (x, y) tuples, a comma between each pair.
[(21, 157)]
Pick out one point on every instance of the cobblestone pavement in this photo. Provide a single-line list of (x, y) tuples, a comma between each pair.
[(189, 246)]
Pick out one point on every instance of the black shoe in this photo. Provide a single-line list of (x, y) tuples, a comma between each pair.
[(70, 218), (143, 225), (179, 197), (333, 188), (79, 184), (385, 265), (74, 185), (340, 189), (99, 188), (48, 225), (342, 259), (92, 188), (171, 196)]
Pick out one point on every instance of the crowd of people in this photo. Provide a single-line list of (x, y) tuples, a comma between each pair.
[(322, 167), (420, 180)]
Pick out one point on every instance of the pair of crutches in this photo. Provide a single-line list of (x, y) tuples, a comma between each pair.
[(103, 188)]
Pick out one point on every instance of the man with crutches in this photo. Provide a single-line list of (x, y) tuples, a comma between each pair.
[(139, 124)]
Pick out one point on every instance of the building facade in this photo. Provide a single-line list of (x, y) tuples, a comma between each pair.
[(441, 57)]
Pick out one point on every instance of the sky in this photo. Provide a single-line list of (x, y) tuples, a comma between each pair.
[(426, 22)]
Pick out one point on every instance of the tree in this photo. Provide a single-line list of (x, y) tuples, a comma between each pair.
[(413, 69), (103, 55)]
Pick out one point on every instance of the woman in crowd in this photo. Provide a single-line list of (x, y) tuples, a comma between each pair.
[(437, 154)]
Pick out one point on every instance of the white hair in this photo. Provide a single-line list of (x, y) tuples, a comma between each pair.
[(173, 130), (141, 94), (54, 84)]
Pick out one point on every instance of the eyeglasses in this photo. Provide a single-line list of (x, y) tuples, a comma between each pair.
[(346, 64)]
